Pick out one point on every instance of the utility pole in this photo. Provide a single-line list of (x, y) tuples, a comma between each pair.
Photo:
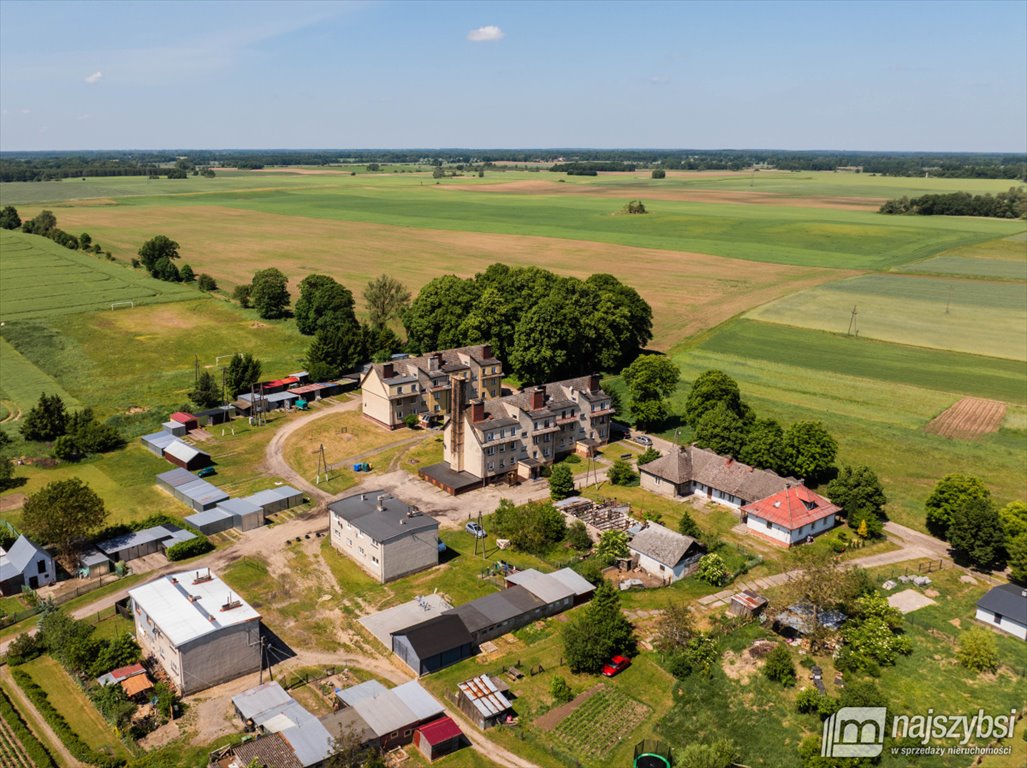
[(321, 463), (196, 371)]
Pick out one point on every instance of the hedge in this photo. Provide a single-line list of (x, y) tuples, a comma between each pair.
[(185, 549), (60, 726), (32, 746)]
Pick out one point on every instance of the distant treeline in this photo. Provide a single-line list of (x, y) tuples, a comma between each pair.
[(41, 166), (1004, 205)]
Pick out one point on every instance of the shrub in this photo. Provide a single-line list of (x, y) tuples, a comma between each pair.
[(206, 283), (699, 655), (648, 455), (572, 458), (590, 570), (978, 650), (411, 420), (560, 691), (620, 473), (779, 667), (713, 570), (185, 549), (577, 536), (36, 752), (659, 173), (24, 647)]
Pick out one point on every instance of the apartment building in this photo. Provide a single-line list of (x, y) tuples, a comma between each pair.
[(428, 385), (515, 436)]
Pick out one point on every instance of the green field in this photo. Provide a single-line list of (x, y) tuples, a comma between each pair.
[(973, 316), (1004, 258), (75, 281)]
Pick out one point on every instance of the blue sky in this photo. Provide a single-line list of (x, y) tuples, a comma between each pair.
[(862, 76)]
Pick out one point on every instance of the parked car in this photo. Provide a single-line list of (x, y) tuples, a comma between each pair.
[(644, 440), (475, 530), (616, 665)]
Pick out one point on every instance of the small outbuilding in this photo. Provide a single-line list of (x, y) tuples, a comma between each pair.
[(747, 604), (186, 456), (484, 701), (174, 428), (276, 499), (211, 521), (145, 542), (244, 515), (93, 562), (187, 419), (437, 738), (664, 553), (156, 442), (1005, 609), (25, 565), (213, 416)]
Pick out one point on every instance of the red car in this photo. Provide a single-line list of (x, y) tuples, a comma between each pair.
[(617, 665)]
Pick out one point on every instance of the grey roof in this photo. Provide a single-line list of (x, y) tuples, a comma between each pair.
[(170, 425), (310, 741), (386, 711), (347, 720), (274, 710), (238, 507), (160, 439), (18, 558), (450, 361), (273, 495), (92, 557), (1009, 600), (278, 397), (215, 411), (365, 690), (574, 581), (177, 477), (485, 696), (206, 517), (662, 544), (257, 701), (137, 538), (417, 700), (542, 585), (382, 517), (437, 634), (692, 464), (201, 491), (183, 451), (177, 537), (496, 608)]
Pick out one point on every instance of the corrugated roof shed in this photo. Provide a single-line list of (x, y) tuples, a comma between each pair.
[(440, 731), (238, 507), (310, 741), (145, 536), (417, 700), (542, 585), (183, 451), (485, 695), (167, 602), (176, 477), (251, 704), (386, 711), (201, 492), (438, 634), (366, 690), (159, 440), (573, 581), (201, 519)]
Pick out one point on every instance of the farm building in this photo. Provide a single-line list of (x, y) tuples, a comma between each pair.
[(186, 419), (191, 490), (25, 565), (276, 499), (696, 471), (433, 644), (213, 416), (438, 738), (200, 631), (186, 456), (144, 542), (790, 516), (483, 700), (383, 535), (1005, 608), (174, 428), (283, 399), (664, 553), (392, 714), (492, 616), (245, 514), (561, 589), (93, 562), (156, 442), (211, 521), (746, 604)]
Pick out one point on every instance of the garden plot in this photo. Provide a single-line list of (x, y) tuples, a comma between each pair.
[(969, 418)]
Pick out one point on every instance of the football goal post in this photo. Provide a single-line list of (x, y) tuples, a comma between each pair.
[(122, 304)]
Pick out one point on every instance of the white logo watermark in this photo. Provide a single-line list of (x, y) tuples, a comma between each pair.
[(860, 732)]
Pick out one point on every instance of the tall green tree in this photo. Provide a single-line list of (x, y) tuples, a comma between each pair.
[(242, 372), (269, 293), (561, 482), (721, 431), (976, 533), (335, 350), (45, 223), (1014, 518), (46, 420), (598, 632), (708, 389), (433, 320), (157, 248), (386, 299), (860, 495), (323, 302), (651, 379), (809, 450), (380, 342), (764, 446), (951, 492), (208, 392), (1016, 550), (187, 274), (9, 218), (63, 513)]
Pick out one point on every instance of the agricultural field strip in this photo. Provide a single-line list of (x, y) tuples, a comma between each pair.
[(973, 316), (23, 382), (12, 753), (600, 723)]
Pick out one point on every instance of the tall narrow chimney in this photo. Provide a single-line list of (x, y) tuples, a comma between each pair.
[(477, 411), (538, 398), (388, 371), (593, 382), (486, 351), (434, 361)]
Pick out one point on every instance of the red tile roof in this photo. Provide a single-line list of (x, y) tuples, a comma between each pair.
[(438, 731), (793, 507), (122, 672), (182, 417)]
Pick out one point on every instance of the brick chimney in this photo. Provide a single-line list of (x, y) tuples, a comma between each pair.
[(477, 411), (486, 351), (434, 361), (593, 382), (388, 370), (538, 398)]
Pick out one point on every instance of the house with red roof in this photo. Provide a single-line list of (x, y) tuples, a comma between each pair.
[(790, 516)]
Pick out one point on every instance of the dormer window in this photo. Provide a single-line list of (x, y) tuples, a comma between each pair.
[(809, 505)]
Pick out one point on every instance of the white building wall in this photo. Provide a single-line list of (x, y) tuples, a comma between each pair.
[(788, 536), (1005, 623)]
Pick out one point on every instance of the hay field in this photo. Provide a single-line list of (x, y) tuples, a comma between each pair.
[(1003, 258), (975, 316)]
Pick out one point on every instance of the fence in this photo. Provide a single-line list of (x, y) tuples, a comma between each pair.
[(13, 618)]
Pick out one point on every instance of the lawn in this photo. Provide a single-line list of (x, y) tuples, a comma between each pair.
[(68, 699), (976, 316)]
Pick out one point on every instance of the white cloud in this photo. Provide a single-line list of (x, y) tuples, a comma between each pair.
[(25, 111), (485, 34), (94, 78), (83, 117)]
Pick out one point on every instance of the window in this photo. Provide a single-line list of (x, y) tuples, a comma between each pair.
[(657, 479), (492, 465), (42, 566), (998, 618), (408, 731), (374, 560), (769, 524), (662, 568), (545, 452), (490, 451)]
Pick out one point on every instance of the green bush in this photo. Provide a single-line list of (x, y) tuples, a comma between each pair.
[(411, 420), (185, 549), (36, 752), (620, 473), (560, 691), (978, 650), (60, 726), (713, 570), (779, 667)]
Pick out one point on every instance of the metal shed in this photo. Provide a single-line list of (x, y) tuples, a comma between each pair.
[(186, 456), (212, 416), (483, 701), (93, 562), (145, 542), (276, 499), (184, 418), (244, 515), (211, 521), (199, 494), (175, 428), (439, 737), (156, 442)]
